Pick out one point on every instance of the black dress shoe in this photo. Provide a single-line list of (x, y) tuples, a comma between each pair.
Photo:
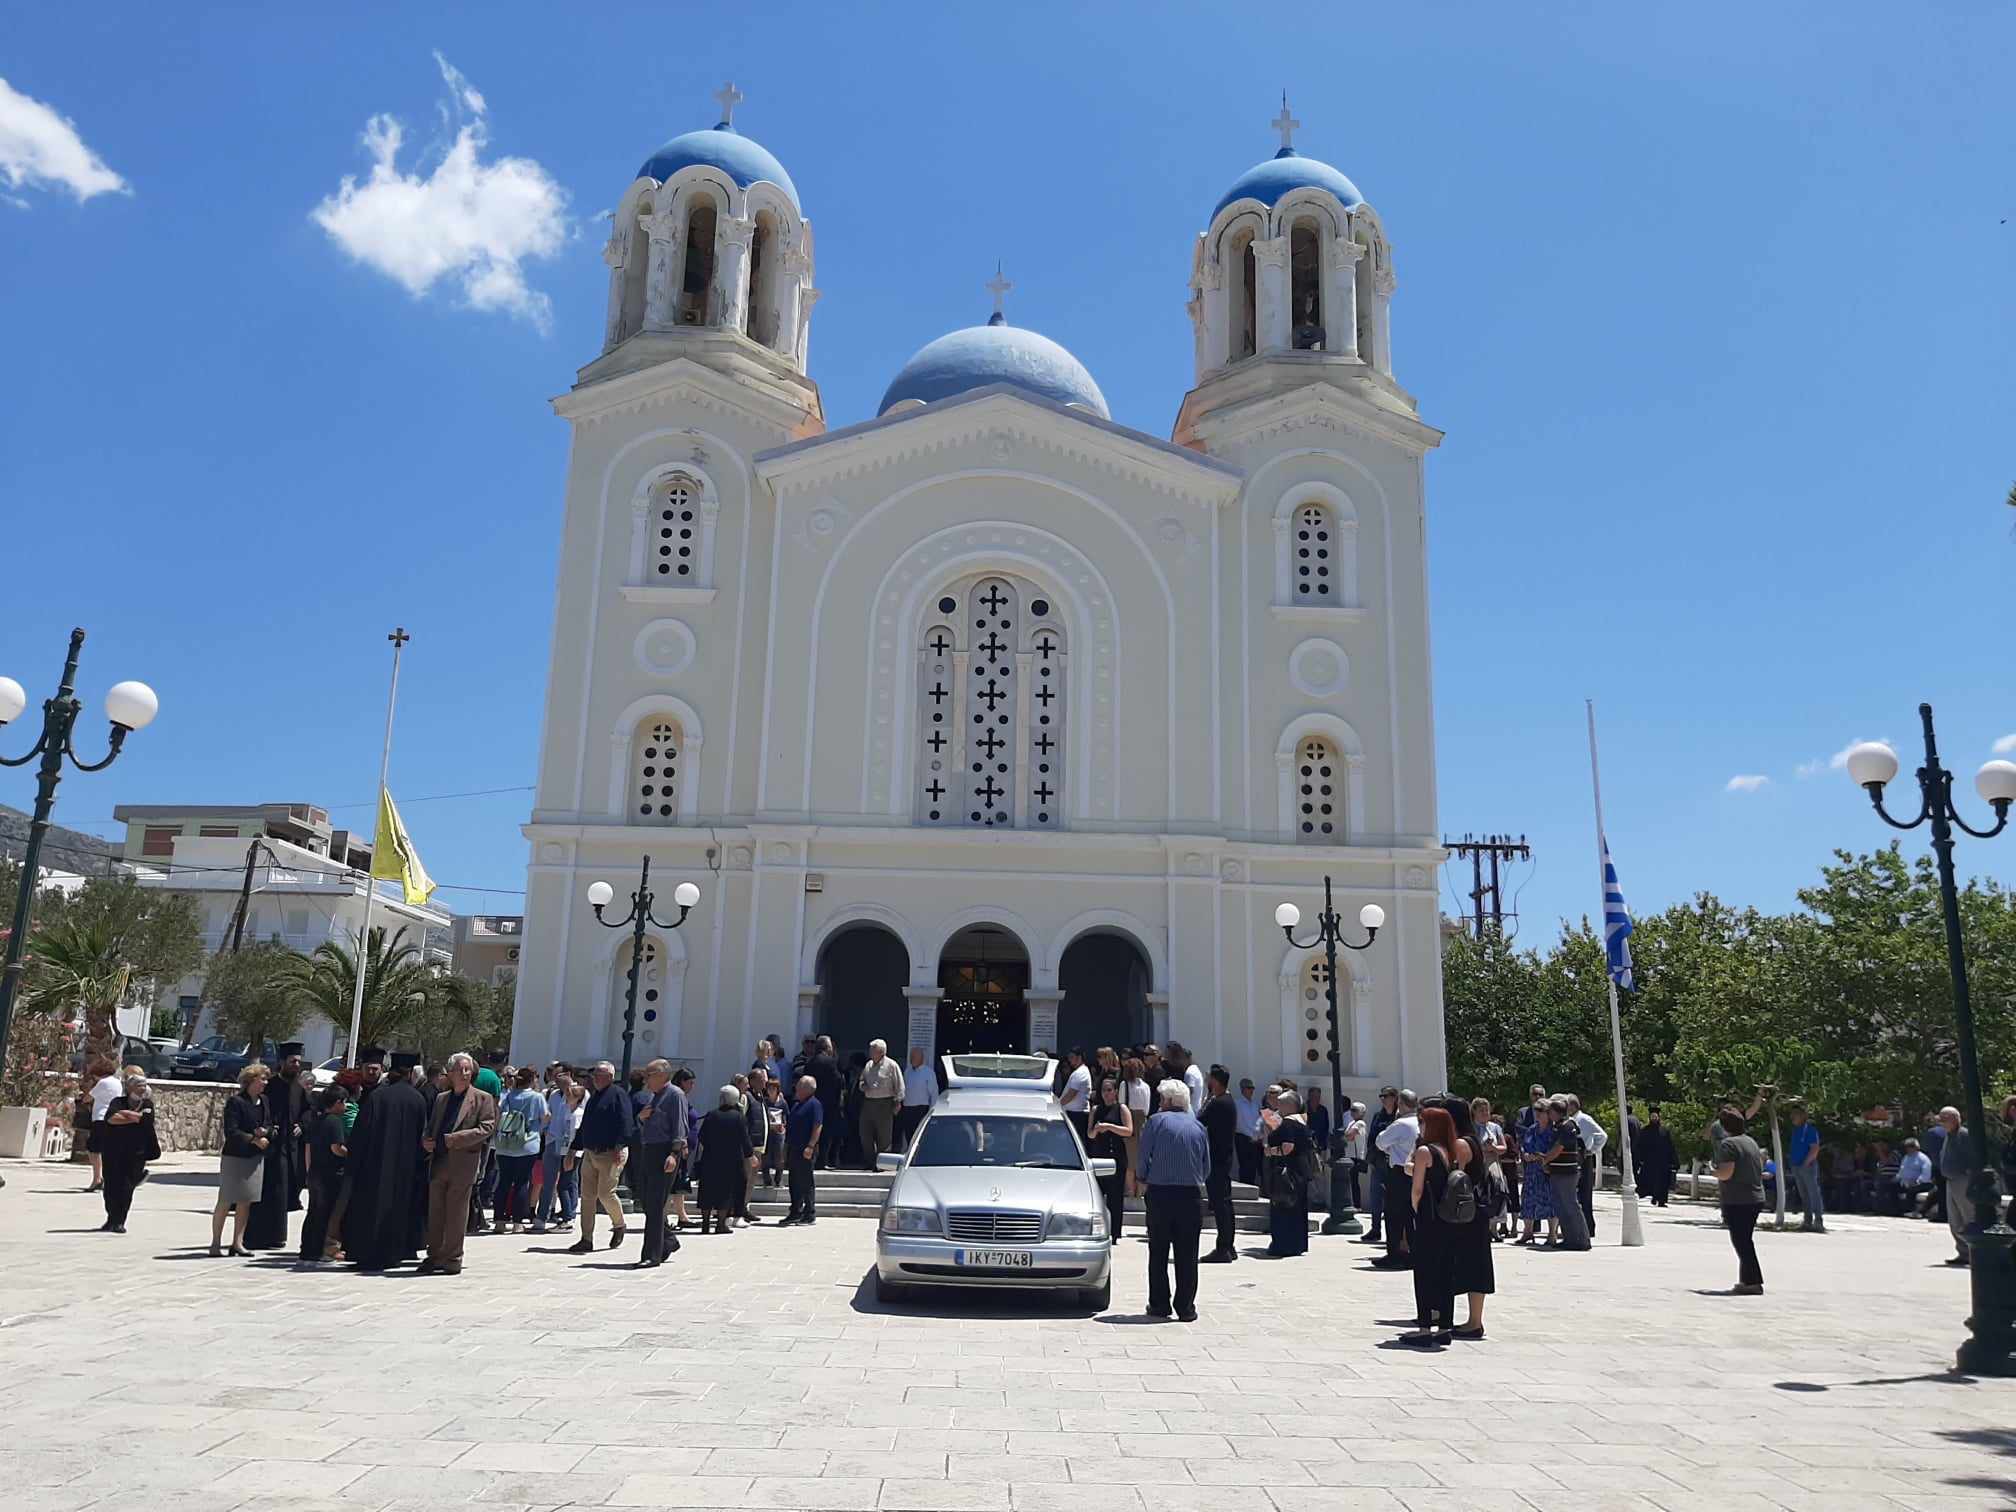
[(1187, 1315), (647, 1262), (1158, 1312), (1218, 1257), (581, 1247), (617, 1237)]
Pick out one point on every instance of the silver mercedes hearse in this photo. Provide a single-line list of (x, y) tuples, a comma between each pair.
[(995, 1190)]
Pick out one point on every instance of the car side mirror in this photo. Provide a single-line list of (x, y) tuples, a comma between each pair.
[(1102, 1168), (889, 1160)]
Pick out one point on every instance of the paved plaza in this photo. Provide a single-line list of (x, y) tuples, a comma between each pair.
[(758, 1371)]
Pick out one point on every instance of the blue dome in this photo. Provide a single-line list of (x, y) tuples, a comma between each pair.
[(961, 361), (725, 148), (1286, 170)]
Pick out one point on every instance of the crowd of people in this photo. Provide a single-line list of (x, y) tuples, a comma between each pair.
[(395, 1161)]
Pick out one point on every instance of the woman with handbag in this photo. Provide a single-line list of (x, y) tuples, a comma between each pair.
[(1291, 1167), (125, 1140), (1434, 1173), (241, 1169), (1479, 1143), (1564, 1177), (1112, 1131)]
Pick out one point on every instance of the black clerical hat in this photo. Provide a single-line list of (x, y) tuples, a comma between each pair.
[(292, 1047), (371, 1053), (404, 1060), (495, 1057)]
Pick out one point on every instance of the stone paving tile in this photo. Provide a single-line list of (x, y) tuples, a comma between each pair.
[(775, 1382)]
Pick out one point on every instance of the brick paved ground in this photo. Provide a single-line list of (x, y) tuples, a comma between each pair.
[(757, 1370)]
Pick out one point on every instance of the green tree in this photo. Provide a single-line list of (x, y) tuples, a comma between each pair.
[(251, 993), (399, 988), (465, 1014)]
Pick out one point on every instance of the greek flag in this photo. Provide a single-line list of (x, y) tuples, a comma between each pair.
[(1616, 923)]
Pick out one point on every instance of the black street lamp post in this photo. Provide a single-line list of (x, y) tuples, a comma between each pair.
[(1330, 934), (1991, 1343), (130, 706), (599, 896)]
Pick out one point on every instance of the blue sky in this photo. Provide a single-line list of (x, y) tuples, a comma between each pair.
[(1713, 302)]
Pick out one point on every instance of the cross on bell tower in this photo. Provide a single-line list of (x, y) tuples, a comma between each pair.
[(1285, 124), (730, 97)]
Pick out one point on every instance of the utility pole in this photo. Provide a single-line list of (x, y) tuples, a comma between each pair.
[(1494, 849)]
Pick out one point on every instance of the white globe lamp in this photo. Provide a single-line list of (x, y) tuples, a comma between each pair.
[(131, 705), (600, 894), (1871, 764)]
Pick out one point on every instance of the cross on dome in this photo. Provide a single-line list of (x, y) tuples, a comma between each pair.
[(998, 287), (1285, 124), (729, 97)]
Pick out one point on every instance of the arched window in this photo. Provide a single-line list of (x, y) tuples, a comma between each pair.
[(1315, 548), (991, 668), (1305, 288), (1319, 793), (1313, 1001), (657, 755), (675, 533), (1244, 301), (697, 278), (661, 980), (762, 280)]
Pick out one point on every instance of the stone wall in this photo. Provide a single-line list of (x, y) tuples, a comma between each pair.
[(190, 1115)]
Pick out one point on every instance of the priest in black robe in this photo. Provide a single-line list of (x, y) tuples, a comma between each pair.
[(383, 1168), (405, 1067), (1652, 1158), (279, 1192), (301, 1114)]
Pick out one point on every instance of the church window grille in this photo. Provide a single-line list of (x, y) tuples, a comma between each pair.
[(697, 276), (1318, 1038), (676, 534), (1315, 548), (655, 760), (990, 710), (1319, 787)]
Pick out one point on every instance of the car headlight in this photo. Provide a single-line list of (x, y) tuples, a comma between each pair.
[(1078, 1225), (909, 1220)]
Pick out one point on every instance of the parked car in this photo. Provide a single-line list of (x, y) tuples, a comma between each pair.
[(218, 1059), (156, 1057), (324, 1075), (995, 1191)]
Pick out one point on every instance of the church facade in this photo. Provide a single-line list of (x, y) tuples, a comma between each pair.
[(989, 721)]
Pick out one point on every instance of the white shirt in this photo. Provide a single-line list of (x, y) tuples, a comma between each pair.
[(1139, 1095), (1492, 1130), (1354, 1139), (102, 1092), (1249, 1116), (1593, 1137), (1194, 1080), (1397, 1139), (920, 1086), (1078, 1090)]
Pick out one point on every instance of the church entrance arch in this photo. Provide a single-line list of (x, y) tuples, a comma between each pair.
[(862, 973), (1105, 979), (983, 981)]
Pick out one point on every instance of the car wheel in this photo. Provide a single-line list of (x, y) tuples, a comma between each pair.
[(890, 1291), (1100, 1297)]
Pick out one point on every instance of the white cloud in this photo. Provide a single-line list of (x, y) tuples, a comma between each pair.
[(2005, 745), (42, 150), (468, 220), (1807, 769), (1745, 784)]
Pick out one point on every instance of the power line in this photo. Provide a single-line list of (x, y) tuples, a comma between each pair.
[(1491, 848)]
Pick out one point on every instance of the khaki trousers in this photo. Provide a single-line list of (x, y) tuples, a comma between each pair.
[(448, 1187), (878, 1128), (598, 1189)]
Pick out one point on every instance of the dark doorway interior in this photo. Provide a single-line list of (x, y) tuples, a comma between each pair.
[(1105, 981), (982, 978), (862, 973)]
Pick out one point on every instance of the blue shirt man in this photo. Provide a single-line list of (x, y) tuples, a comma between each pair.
[(1802, 1155), (1174, 1162), (802, 1128)]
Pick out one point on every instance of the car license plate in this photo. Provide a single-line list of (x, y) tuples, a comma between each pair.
[(996, 1259)]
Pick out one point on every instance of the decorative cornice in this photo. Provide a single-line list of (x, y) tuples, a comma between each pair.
[(998, 419), (685, 381)]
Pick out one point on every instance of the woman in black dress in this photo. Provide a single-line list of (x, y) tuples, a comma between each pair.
[(1434, 1242), (125, 1138), (1471, 1271), (1111, 1128), (1290, 1168), (725, 1153)]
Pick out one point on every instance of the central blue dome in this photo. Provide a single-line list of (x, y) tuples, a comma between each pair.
[(725, 148), (1286, 170), (961, 361)]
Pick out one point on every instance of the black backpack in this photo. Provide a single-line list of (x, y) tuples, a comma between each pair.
[(1458, 1202)]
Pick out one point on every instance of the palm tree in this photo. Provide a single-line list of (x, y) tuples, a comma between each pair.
[(398, 985), (81, 966)]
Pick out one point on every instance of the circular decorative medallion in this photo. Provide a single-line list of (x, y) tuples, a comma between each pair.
[(664, 648), (1319, 668)]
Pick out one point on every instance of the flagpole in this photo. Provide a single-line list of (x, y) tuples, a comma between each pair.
[(1631, 1230), (398, 637)]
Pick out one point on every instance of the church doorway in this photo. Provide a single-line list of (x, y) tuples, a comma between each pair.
[(1105, 980), (983, 976), (862, 973)]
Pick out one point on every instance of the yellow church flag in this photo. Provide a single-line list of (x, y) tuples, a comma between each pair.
[(393, 858)]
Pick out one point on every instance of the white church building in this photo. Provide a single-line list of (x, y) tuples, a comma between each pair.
[(988, 721)]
